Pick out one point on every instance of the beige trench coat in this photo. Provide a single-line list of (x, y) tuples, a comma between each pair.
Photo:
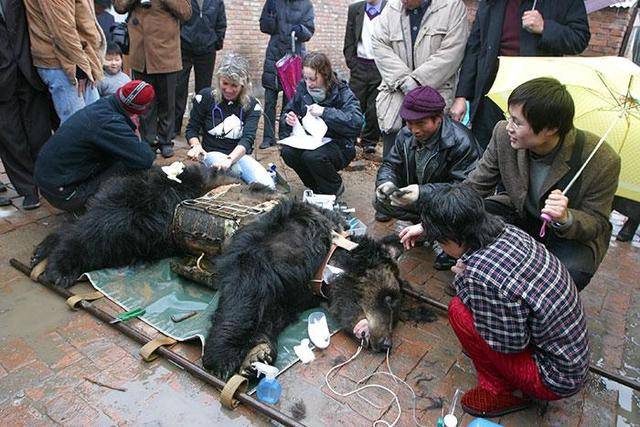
[(154, 34), (435, 60)]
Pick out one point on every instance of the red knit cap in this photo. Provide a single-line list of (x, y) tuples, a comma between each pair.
[(135, 96)]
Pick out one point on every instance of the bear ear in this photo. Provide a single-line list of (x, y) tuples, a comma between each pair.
[(393, 246)]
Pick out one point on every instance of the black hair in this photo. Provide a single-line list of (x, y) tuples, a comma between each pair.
[(456, 212), (546, 103), (113, 49)]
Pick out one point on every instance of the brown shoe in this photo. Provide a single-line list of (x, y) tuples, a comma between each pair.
[(481, 403)]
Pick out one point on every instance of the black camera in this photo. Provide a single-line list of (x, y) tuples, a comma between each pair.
[(145, 3)]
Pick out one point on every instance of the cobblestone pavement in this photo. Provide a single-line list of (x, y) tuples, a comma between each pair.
[(48, 352)]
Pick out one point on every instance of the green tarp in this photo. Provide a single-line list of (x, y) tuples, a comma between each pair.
[(162, 293)]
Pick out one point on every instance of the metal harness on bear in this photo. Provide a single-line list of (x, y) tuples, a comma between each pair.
[(338, 240)]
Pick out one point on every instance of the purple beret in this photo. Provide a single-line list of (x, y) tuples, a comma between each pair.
[(421, 102)]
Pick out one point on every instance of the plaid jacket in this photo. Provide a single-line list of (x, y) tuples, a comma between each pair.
[(522, 296)]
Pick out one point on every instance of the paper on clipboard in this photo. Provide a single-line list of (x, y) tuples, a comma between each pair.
[(309, 135)]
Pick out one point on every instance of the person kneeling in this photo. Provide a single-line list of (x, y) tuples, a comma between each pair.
[(226, 117), (322, 95), (431, 148), (517, 313), (93, 145)]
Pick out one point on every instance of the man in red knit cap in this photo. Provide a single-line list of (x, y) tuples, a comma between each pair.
[(94, 144)]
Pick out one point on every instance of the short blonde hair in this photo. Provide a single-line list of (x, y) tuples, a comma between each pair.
[(235, 68)]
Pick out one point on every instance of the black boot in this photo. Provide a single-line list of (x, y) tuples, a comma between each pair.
[(627, 231)]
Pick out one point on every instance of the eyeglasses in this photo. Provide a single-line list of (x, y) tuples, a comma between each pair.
[(514, 123)]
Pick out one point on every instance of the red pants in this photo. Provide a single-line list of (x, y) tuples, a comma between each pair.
[(498, 373)]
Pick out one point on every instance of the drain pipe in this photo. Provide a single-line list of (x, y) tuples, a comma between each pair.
[(593, 368), (182, 362)]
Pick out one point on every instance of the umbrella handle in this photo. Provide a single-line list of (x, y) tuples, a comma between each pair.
[(546, 219)]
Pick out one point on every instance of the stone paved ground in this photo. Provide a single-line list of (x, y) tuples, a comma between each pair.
[(47, 351)]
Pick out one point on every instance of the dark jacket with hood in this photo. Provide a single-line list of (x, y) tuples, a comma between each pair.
[(279, 18), (88, 143), (204, 32), (341, 114), (566, 32), (454, 158)]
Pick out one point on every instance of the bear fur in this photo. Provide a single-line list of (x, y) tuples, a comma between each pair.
[(264, 272), (127, 221)]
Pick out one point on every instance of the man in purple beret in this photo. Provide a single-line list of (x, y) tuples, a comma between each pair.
[(432, 148)]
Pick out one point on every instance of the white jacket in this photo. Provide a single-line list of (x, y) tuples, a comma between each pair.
[(435, 61)]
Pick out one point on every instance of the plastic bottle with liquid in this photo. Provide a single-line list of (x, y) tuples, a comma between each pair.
[(481, 422), (269, 388)]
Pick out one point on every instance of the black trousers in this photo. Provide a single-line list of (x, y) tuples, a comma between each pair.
[(577, 257), (270, 103), (318, 169), (485, 119), (203, 69), (364, 83), (75, 198), (25, 126), (157, 125)]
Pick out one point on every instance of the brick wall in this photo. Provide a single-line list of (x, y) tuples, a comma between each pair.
[(243, 34), (608, 27)]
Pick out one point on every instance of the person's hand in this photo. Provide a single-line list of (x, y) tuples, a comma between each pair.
[(291, 118), (459, 267), (458, 109), (533, 22), (223, 165), (405, 196), (196, 152), (409, 235), (384, 190), (557, 207), (82, 85), (315, 110)]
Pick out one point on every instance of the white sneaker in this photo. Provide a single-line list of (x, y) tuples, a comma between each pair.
[(318, 330)]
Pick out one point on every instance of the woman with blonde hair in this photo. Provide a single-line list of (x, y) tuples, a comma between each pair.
[(223, 123)]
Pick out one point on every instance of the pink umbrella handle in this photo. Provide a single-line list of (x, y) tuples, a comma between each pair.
[(546, 219)]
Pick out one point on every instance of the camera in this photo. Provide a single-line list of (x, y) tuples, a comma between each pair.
[(145, 3)]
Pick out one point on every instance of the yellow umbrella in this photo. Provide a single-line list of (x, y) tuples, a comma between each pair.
[(606, 92)]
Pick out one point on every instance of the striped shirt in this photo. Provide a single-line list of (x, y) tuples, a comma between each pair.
[(522, 296)]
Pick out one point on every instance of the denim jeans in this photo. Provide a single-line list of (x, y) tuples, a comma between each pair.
[(65, 95), (246, 168)]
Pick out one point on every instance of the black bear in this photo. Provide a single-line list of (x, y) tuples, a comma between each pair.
[(128, 220), (264, 272)]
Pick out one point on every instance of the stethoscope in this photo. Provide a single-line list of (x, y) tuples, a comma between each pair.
[(216, 108)]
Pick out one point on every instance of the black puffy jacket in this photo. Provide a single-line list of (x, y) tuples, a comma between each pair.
[(341, 114), (204, 32), (456, 156), (279, 18)]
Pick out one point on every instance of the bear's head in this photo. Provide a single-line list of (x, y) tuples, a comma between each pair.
[(366, 297)]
